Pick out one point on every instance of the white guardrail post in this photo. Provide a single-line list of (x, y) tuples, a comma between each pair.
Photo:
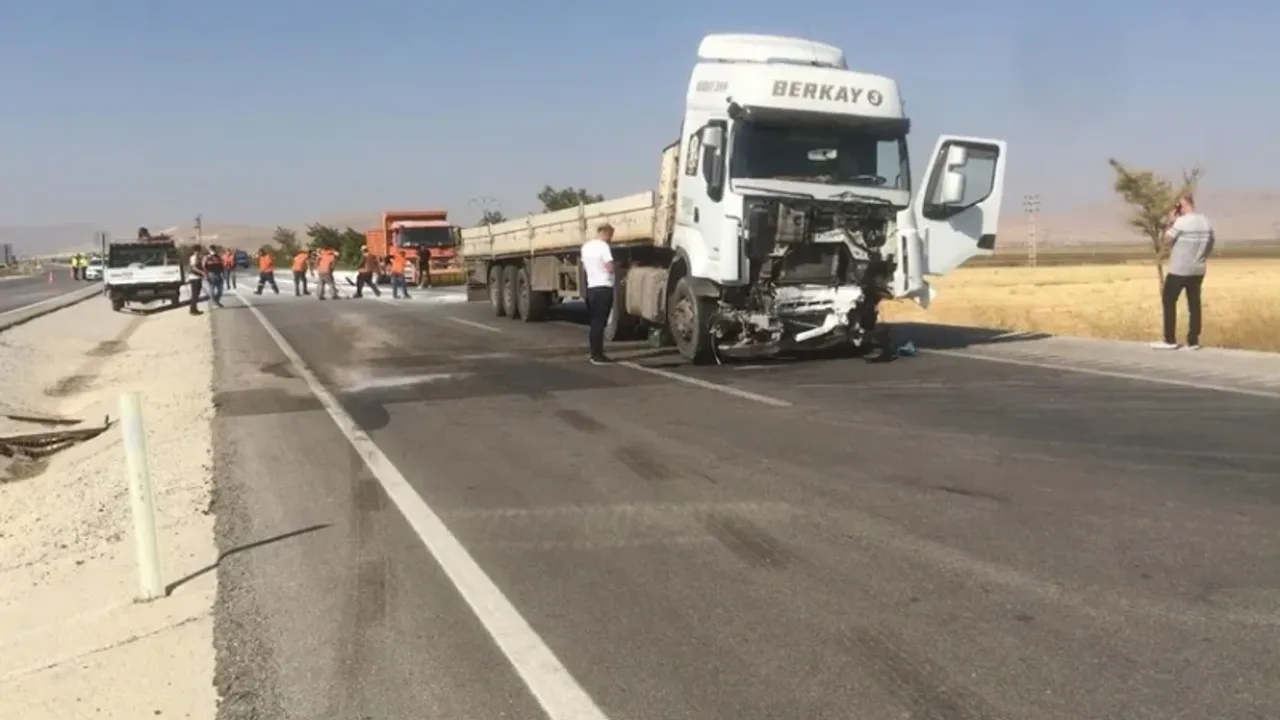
[(144, 513)]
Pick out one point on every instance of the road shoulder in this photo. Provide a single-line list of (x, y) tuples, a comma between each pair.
[(74, 639)]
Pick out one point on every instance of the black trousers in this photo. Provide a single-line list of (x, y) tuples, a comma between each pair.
[(1174, 285), (196, 284), (599, 305), (363, 279)]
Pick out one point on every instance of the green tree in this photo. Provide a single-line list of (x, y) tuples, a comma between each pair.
[(1151, 198), (492, 217), (324, 237), (351, 241), (286, 240), (567, 197)]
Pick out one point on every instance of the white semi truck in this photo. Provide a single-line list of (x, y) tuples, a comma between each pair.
[(784, 214)]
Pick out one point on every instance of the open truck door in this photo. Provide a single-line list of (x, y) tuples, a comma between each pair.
[(955, 215)]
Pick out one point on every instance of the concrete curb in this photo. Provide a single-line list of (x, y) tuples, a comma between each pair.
[(17, 317)]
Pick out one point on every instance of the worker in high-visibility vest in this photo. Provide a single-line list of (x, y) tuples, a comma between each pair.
[(266, 272)]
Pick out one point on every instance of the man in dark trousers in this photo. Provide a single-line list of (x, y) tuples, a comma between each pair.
[(195, 278), (597, 264), (366, 274), (1190, 242), (213, 275), (266, 272)]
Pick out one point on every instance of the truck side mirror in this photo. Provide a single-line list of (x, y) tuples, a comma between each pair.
[(952, 190), (713, 137)]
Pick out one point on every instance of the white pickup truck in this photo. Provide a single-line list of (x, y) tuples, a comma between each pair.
[(143, 272)]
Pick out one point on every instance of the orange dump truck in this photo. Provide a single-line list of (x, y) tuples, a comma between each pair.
[(429, 242)]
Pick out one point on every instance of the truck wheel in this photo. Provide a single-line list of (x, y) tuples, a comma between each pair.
[(495, 291), (689, 318), (509, 292), (531, 303), (117, 303)]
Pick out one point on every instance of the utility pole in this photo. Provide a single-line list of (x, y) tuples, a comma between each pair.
[(1031, 203), (199, 230), (484, 205)]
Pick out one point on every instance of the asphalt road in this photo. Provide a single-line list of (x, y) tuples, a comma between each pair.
[(17, 293), (936, 537)]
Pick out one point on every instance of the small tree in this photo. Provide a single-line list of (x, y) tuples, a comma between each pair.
[(492, 217), (286, 240), (351, 240), (1151, 199), (564, 198), (324, 237)]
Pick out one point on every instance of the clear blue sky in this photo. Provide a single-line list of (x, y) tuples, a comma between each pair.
[(129, 112)]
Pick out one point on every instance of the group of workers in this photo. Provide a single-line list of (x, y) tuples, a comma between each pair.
[(216, 267), (79, 263)]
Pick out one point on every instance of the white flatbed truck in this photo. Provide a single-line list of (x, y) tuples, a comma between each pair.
[(783, 216)]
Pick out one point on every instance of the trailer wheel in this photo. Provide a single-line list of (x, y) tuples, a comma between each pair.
[(531, 303), (689, 318), (496, 298), (509, 292)]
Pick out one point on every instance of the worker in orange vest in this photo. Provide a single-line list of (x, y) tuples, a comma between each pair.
[(229, 266), (325, 264), (266, 272), (300, 261), (399, 263), (367, 272)]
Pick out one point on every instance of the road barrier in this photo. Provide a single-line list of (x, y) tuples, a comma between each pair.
[(44, 307), (141, 497)]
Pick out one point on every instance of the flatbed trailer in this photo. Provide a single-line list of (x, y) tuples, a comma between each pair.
[(523, 267)]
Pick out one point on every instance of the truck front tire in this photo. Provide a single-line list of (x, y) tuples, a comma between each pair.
[(689, 319), (495, 291)]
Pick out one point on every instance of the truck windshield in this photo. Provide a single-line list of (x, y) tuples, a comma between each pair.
[(827, 154), (426, 237), (124, 255)]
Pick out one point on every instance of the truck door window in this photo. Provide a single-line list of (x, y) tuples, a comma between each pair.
[(979, 180), (693, 153), (711, 157)]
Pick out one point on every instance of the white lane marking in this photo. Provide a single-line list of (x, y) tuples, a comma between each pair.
[(484, 356), (471, 323), (726, 389), (1107, 373), (359, 382), (46, 301), (559, 694)]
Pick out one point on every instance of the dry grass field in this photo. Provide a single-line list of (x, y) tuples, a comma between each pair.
[(1117, 301)]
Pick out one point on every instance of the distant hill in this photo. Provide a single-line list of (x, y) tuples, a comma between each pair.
[(1237, 215)]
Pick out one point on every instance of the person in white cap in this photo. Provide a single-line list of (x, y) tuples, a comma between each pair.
[(366, 272)]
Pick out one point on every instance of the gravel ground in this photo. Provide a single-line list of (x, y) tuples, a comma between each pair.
[(73, 643)]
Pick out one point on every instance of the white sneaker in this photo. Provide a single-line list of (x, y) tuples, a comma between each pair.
[(1164, 346), (1193, 347)]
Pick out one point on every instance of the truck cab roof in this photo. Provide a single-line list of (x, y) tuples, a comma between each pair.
[(780, 74)]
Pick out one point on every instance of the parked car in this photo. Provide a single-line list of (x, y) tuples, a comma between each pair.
[(93, 271), (242, 259)]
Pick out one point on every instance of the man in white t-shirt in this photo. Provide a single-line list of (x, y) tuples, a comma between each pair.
[(597, 263)]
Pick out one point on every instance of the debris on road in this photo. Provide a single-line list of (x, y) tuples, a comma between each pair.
[(42, 445)]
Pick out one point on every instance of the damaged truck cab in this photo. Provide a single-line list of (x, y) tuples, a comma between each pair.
[(784, 214), (795, 215)]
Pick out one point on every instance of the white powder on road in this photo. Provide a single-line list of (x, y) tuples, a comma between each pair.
[(73, 643)]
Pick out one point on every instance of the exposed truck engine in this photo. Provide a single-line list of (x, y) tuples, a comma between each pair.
[(784, 215)]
